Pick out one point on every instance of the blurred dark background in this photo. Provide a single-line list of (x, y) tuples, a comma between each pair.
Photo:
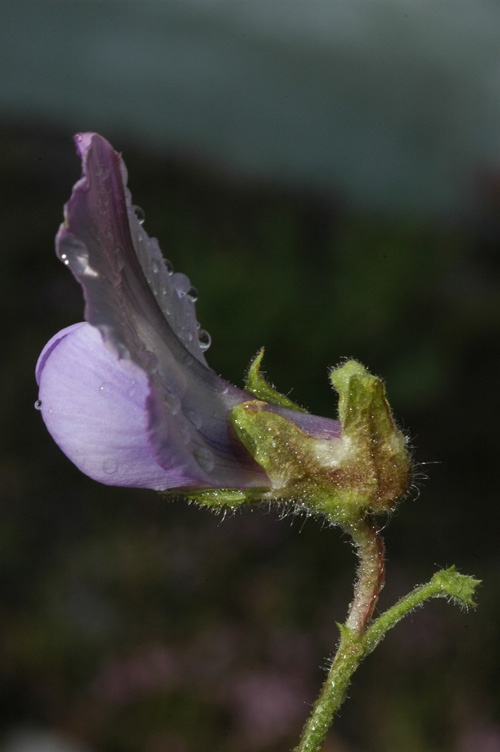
[(328, 175)]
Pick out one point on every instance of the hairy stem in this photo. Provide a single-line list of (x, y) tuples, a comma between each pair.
[(447, 583), (370, 580), (370, 575), (359, 635)]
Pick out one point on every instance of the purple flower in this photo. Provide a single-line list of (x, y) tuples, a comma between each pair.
[(128, 395)]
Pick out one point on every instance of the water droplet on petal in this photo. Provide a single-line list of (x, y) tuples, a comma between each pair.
[(204, 458), (80, 262), (181, 284), (109, 466), (204, 339), (132, 388), (38, 405), (192, 293), (139, 213), (169, 267), (105, 387)]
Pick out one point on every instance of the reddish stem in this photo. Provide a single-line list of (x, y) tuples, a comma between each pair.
[(370, 573)]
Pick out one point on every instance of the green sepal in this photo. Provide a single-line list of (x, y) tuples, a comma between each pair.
[(256, 384), (459, 587), (369, 428), (301, 468), (366, 470), (363, 403), (223, 498)]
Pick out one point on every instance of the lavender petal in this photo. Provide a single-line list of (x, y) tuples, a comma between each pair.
[(129, 396), (95, 408)]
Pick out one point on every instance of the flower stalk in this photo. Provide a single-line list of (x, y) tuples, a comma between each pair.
[(370, 549), (359, 636), (351, 649), (347, 659)]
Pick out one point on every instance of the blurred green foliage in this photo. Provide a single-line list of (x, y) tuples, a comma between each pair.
[(136, 624)]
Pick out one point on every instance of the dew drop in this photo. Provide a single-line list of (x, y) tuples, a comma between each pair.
[(109, 466), (132, 388), (169, 267), (204, 458), (139, 213), (81, 265), (105, 387), (192, 293), (204, 339), (182, 285), (38, 405)]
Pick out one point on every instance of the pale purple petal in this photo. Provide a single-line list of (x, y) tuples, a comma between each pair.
[(146, 315), (122, 271), (96, 412), (129, 396), (314, 425)]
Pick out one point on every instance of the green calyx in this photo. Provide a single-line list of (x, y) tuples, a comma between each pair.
[(459, 587), (256, 384), (378, 446), (293, 460), (366, 470)]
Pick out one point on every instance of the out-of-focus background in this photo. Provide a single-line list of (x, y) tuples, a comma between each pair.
[(328, 175)]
